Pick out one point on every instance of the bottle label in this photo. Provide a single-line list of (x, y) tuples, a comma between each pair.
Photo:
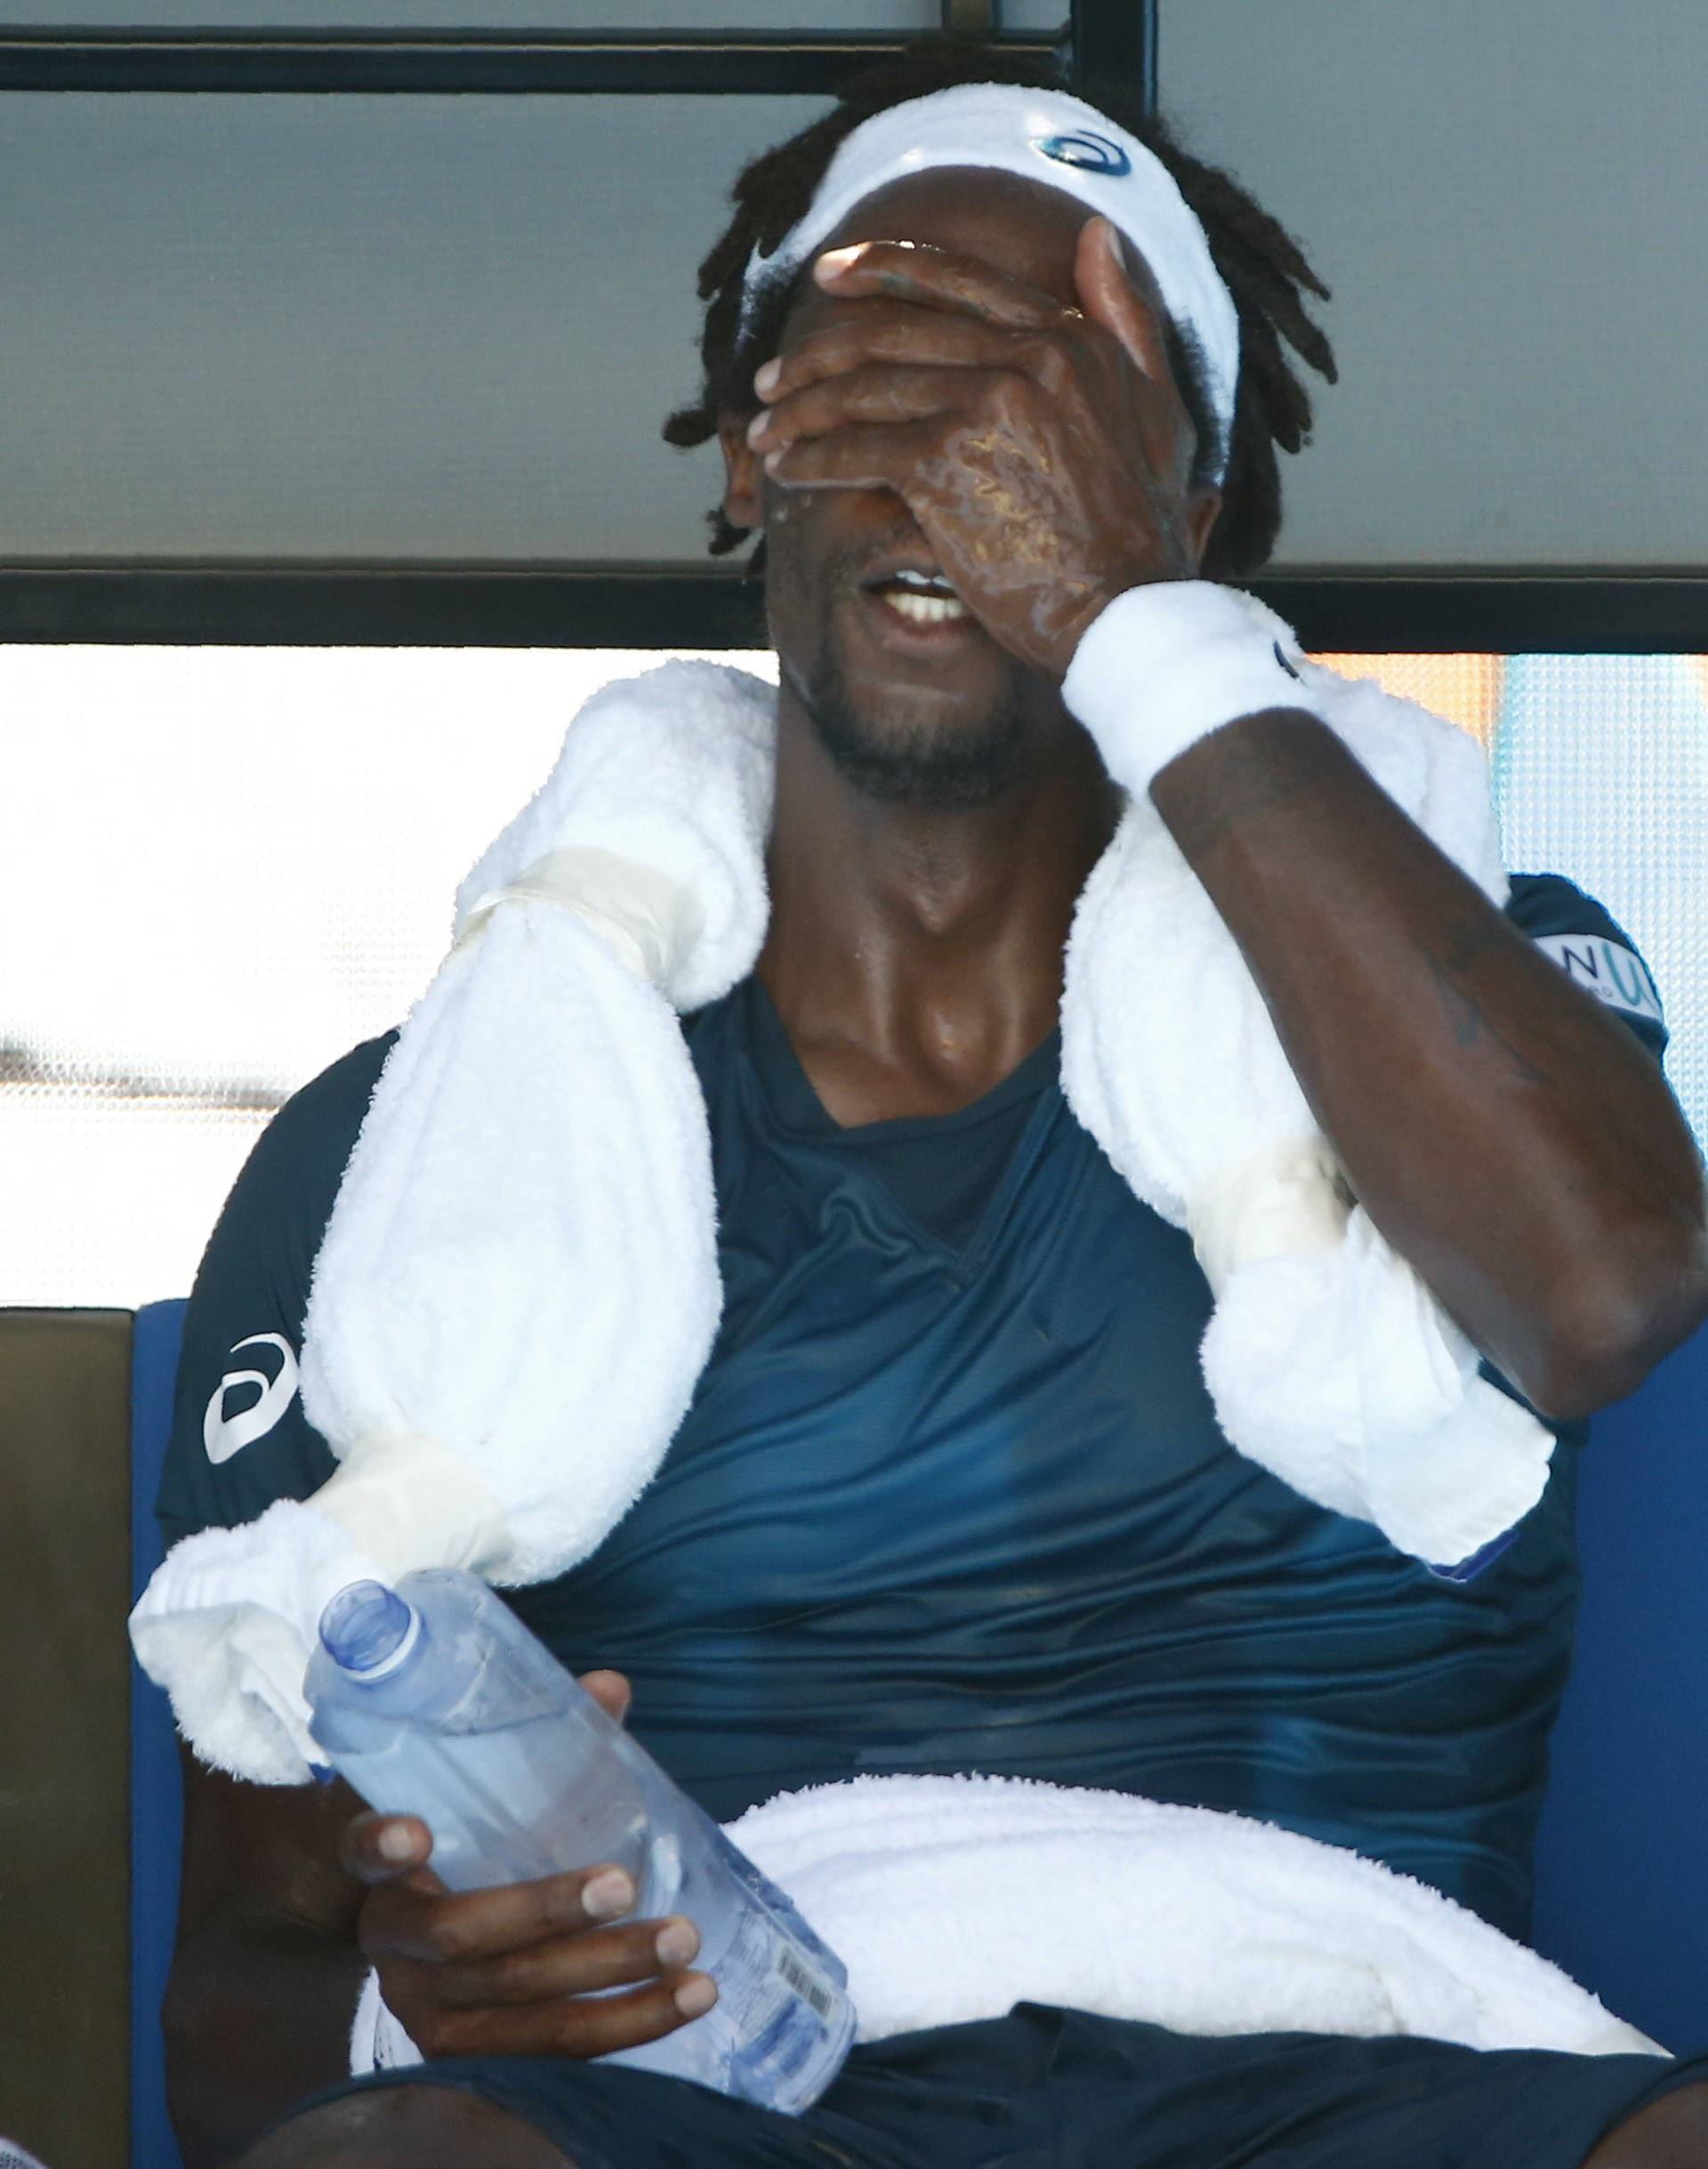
[(762, 1973), (805, 1982)]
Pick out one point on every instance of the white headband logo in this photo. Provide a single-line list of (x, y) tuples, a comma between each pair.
[(1092, 154)]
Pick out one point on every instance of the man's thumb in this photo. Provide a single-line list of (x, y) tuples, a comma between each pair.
[(611, 1690), (1106, 288)]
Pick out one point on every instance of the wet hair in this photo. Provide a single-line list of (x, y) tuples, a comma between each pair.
[(1259, 262)]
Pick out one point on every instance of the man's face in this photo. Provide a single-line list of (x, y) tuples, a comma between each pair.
[(961, 723)]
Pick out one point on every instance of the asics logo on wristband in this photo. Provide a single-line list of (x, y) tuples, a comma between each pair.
[(224, 1435), (1092, 153)]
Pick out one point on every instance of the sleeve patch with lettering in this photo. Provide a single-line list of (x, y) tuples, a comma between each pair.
[(1611, 972)]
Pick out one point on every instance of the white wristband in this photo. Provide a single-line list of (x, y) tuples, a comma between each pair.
[(1164, 665)]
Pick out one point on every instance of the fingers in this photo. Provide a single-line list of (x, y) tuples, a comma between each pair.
[(904, 456), (570, 1964), (942, 277), (971, 308), (878, 392), (388, 1849), (521, 1968), (475, 1925), (585, 2027), (882, 334)]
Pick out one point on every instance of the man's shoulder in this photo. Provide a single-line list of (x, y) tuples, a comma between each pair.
[(1591, 945), (331, 1107), (240, 1439), (299, 1160), (1553, 903)]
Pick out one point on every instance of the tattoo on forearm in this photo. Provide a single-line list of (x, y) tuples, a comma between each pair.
[(1474, 938)]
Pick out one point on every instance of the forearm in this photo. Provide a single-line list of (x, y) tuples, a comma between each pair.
[(257, 2015), (1505, 1134)]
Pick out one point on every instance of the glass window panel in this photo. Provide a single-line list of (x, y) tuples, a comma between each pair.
[(1601, 770), (1502, 200), (1601, 773), (443, 328), (221, 868)]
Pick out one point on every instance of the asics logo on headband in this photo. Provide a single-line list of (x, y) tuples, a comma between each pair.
[(1095, 153)]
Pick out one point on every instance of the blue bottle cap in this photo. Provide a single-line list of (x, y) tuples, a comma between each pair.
[(368, 1629)]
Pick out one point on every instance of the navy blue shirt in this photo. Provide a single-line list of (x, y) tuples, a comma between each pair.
[(951, 1495)]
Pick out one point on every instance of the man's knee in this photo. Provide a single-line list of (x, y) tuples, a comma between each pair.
[(1669, 2134), (406, 2127)]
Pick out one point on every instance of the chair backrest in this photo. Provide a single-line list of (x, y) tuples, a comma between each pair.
[(1621, 1882), (157, 1788), (1622, 1867), (64, 1410)]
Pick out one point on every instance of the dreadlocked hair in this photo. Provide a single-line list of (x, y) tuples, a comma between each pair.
[(1260, 264)]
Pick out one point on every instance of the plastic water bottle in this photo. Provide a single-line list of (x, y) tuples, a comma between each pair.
[(434, 1699)]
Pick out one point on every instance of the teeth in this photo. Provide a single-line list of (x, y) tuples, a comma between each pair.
[(927, 610), (933, 581)]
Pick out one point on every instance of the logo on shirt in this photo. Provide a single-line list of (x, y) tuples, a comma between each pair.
[(1095, 153), (224, 1435), (1608, 970)]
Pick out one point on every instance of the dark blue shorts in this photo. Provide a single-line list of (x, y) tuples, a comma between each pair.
[(1045, 2088)]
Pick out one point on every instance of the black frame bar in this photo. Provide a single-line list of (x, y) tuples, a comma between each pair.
[(520, 63), (1491, 611), (1114, 44)]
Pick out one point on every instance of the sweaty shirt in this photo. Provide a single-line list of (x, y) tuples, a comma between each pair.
[(952, 1495)]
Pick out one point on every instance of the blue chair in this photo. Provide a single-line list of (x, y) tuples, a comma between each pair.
[(157, 1788), (1622, 1882), (1622, 1866)]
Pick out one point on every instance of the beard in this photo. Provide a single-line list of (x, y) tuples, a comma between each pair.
[(932, 768)]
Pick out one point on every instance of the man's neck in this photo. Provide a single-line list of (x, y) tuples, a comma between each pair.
[(915, 957)]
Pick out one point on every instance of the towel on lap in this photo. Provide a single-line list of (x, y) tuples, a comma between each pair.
[(952, 1899)]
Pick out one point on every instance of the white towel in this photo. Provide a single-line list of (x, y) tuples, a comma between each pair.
[(952, 1898), (518, 1289), (518, 1285), (1329, 1361)]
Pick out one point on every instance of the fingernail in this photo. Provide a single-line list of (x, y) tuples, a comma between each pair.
[(765, 379), (678, 1940), (836, 261), (396, 1843), (608, 1894), (757, 427), (696, 1994)]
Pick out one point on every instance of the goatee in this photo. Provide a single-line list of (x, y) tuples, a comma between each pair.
[(933, 768)]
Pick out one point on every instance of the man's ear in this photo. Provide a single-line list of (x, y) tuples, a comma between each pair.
[(741, 498)]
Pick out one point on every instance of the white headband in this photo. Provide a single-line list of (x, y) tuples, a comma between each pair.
[(1041, 135)]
